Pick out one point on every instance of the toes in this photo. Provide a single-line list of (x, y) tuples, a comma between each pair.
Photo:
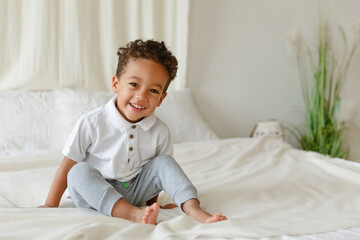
[(147, 213), (217, 216), (155, 207), (148, 210), (150, 214)]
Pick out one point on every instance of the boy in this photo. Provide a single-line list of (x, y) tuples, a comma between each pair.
[(119, 156)]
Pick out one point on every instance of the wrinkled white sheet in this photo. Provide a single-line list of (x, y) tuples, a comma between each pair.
[(268, 190)]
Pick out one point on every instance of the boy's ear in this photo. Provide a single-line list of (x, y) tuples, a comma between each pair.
[(162, 98), (115, 84)]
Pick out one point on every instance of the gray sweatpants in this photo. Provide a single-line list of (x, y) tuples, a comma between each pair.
[(89, 189)]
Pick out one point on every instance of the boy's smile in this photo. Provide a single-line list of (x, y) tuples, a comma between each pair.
[(140, 88)]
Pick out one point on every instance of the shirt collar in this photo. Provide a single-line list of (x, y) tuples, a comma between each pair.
[(121, 123)]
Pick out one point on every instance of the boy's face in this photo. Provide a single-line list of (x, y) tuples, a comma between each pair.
[(140, 88)]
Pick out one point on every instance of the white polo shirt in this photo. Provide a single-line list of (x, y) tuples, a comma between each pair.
[(114, 146)]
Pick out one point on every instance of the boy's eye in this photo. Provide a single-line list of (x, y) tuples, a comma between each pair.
[(154, 91), (134, 84)]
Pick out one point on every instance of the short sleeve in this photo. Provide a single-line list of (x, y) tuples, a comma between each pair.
[(78, 141), (165, 146)]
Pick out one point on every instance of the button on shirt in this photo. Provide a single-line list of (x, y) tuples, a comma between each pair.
[(114, 146)]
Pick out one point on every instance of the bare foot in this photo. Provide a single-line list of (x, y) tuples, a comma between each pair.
[(192, 208), (123, 209), (150, 214), (217, 217)]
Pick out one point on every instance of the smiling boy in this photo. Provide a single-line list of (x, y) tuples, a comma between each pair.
[(119, 156)]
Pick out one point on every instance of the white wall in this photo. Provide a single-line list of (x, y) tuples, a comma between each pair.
[(238, 62)]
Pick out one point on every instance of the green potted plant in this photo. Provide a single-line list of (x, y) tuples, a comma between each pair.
[(322, 79)]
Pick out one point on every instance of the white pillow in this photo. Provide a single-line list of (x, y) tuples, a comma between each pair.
[(71, 104), (36, 121), (27, 121), (177, 110)]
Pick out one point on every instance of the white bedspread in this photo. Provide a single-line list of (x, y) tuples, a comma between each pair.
[(264, 186)]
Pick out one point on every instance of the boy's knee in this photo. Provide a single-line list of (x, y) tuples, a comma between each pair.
[(163, 159), (78, 171), (166, 165)]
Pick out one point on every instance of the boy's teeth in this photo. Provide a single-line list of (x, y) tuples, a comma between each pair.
[(138, 107)]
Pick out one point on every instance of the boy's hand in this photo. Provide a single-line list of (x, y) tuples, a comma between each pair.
[(44, 206), (169, 206), (154, 200)]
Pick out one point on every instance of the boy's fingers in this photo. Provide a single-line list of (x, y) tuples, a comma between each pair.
[(44, 206), (169, 206)]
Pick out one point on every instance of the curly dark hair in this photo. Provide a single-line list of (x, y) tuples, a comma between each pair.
[(150, 49)]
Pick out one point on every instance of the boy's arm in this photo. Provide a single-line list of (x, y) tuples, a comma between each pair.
[(59, 183)]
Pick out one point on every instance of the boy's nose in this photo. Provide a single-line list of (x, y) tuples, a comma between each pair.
[(141, 95)]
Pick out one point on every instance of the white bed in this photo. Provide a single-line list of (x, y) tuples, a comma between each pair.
[(267, 188)]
